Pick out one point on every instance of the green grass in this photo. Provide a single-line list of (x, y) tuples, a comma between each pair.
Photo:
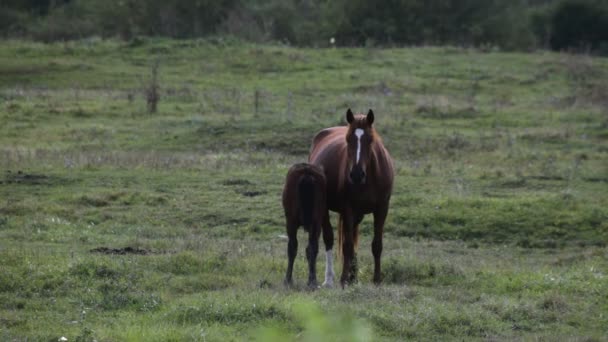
[(497, 227)]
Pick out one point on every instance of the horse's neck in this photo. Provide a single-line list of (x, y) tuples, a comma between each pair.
[(342, 168), (380, 160)]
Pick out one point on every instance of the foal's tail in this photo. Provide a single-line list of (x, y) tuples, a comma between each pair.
[(341, 236), (306, 199)]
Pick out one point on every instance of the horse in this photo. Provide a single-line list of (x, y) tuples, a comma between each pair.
[(304, 205), (359, 175)]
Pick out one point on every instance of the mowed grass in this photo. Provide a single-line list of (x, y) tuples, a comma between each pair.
[(117, 224)]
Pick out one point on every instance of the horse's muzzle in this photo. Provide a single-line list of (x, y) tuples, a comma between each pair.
[(357, 175)]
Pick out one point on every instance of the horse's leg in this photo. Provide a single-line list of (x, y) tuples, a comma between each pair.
[(328, 240), (348, 248), (379, 218), (292, 250), (311, 253), (354, 266)]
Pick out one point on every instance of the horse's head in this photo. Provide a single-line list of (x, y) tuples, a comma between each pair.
[(359, 139)]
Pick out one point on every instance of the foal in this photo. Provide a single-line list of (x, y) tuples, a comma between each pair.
[(304, 204)]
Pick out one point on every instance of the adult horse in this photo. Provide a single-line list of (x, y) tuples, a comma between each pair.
[(359, 174)]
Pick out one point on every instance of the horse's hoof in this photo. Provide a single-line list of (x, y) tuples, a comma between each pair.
[(329, 283)]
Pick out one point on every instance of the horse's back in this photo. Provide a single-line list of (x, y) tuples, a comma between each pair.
[(327, 148), (329, 151), (304, 190), (297, 173), (327, 134)]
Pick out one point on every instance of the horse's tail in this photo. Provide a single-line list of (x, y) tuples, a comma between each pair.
[(341, 236), (306, 199)]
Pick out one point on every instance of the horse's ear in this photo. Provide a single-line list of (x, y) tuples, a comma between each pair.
[(349, 116), (370, 117)]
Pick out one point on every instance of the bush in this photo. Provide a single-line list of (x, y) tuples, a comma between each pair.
[(73, 21), (290, 21), (457, 22), (12, 21), (580, 26), (481, 23), (128, 18)]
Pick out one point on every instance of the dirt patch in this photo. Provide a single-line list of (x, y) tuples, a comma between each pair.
[(596, 179), (252, 193), (121, 251), (243, 187), (236, 181), (21, 177)]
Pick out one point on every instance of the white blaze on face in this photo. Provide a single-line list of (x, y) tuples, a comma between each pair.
[(359, 133)]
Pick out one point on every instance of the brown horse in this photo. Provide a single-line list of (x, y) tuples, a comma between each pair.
[(304, 205), (359, 174)]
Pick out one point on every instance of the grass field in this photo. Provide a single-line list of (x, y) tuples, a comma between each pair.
[(121, 225)]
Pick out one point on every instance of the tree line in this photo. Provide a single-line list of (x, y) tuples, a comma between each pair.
[(505, 24)]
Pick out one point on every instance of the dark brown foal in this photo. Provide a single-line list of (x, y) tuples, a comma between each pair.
[(304, 204)]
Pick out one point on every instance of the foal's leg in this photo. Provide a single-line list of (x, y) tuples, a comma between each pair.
[(292, 250), (311, 253), (328, 240), (379, 218)]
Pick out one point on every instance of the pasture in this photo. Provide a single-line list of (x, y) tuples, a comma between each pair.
[(117, 224)]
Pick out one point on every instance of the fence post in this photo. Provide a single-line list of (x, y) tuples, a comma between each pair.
[(256, 102), (289, 106)]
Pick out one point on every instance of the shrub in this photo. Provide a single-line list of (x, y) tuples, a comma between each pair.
[(468, 22), (580, 25), (12, 21), (64, 23)]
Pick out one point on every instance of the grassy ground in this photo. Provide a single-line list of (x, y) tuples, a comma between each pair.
[(117, 224)]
